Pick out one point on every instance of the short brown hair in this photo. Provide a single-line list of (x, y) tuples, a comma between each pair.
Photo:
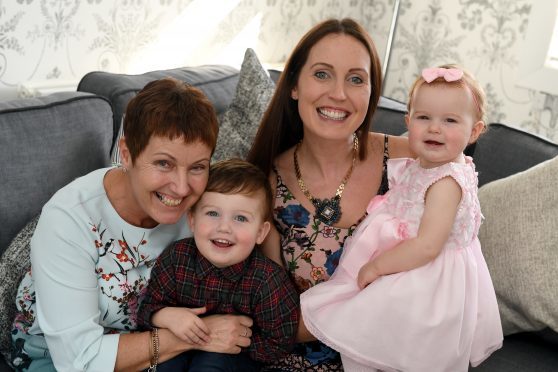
[(281, 125), (236, 176), (169, 108)]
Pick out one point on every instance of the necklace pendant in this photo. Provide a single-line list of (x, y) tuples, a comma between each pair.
[(328, 210)]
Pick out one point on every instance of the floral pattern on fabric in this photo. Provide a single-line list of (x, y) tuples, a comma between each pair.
[(310, 248), (311, 252), (123, 274), (116, 286)]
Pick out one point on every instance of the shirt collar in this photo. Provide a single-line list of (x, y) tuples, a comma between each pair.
[(232, 273)]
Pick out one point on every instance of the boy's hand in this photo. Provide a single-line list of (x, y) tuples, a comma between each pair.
[(367, 274), (186, 325)]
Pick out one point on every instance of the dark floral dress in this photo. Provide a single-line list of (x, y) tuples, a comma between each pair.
[(310, 250)]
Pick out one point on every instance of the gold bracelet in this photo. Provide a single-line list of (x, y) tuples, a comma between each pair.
[(154, 350)]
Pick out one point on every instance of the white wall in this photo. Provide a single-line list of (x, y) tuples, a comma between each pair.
[(53, 43)]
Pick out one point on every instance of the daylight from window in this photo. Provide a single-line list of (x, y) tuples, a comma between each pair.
[(552, 56)]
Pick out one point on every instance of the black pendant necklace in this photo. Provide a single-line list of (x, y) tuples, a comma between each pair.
[(327, 210)]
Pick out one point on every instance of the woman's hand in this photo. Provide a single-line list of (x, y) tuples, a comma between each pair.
[(228, 333), (367, 274)]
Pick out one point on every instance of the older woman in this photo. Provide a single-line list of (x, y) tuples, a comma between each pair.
[(98, 237), (322, 160)]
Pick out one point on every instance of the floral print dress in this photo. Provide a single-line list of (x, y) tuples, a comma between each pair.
[(310, 250), (93, 269)]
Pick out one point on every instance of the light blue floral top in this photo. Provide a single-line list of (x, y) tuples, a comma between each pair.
[(89, 269)]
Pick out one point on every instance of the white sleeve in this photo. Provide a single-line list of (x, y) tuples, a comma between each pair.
[(67, 294)]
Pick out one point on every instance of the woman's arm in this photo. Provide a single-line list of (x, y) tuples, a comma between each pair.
[(67, 294), (303, 334), (135, 350), (399, 147), (441, 204)]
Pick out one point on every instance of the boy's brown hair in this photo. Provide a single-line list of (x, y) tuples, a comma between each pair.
[(236, 176)]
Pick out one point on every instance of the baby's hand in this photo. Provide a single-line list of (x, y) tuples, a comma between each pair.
[(187, 326), (367, 274)]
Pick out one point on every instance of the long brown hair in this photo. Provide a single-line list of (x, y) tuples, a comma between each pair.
[(281, 126)]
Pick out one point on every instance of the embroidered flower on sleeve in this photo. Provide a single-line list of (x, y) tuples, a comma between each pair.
[(122, 256)]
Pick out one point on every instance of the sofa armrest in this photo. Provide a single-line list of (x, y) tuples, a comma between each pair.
[(45, 143)]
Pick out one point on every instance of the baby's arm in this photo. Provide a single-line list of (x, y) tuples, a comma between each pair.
[(440, 208)]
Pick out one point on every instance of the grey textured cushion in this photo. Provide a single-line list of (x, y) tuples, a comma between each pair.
[(389, 117), (519, 238), (241, 120), (13, 264), (45, 143), (218, 82)]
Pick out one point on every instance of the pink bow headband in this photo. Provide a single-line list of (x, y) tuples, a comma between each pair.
[(449, 74)]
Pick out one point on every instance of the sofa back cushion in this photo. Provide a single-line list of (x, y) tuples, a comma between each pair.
[(218, 82), (45, 143), (503, 151), (389, 117)]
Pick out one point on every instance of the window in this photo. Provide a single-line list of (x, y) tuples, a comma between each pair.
[(538, 59)]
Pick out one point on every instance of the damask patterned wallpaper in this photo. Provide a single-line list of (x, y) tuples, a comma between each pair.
[(53, 43)]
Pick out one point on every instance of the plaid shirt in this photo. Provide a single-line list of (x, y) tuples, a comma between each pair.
[(256, 287)]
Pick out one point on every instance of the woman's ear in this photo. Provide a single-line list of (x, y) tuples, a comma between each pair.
[(477, 130), (125, 157), (294, 93)]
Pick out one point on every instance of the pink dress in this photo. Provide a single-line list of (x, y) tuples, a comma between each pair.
[(438, 317)]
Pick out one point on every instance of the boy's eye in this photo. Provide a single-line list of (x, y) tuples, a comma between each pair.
[(212, 214), (321, 75), (422, 117), (451, 120), (241, 218)]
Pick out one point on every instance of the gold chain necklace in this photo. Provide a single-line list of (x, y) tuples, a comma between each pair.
[(327, 210)]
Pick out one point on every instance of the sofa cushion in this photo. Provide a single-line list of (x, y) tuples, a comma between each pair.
[(389, 117), (45, 143), (13, 264), (240, 122), (218, 82), (503, 151), (519, 238)]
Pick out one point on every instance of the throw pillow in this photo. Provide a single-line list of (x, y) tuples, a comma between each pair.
[(519, 238), (240, 121), (14, 263), (115, 154)]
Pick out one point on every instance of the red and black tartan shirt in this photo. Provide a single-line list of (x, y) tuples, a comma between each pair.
[(256, 287)]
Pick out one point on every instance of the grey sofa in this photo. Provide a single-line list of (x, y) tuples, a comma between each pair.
[(46, 143)]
